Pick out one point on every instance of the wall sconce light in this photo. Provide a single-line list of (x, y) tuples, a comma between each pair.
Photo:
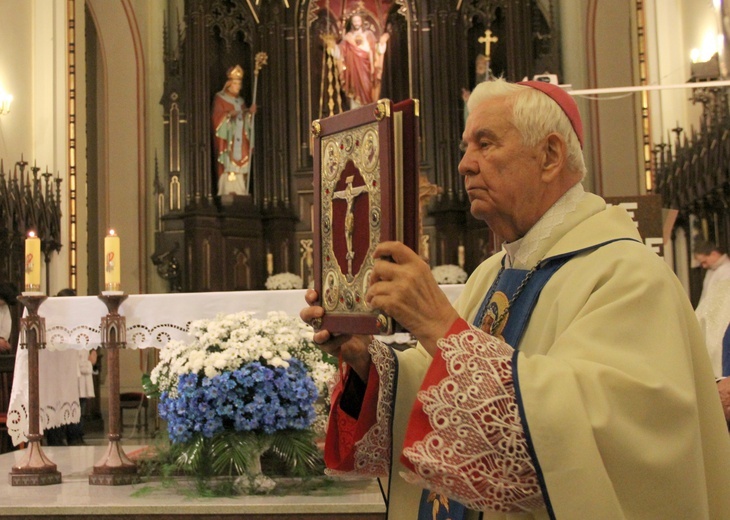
[(5, 102)]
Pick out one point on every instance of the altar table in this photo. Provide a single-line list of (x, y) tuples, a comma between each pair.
[(75, 498), (152, 320)]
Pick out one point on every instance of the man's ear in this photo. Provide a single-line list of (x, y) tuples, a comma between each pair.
[(554, 157)]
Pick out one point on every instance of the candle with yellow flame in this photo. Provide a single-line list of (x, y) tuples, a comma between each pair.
[(32, 263), (112, 264)]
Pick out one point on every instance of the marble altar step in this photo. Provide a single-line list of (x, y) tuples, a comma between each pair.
[(74, 498)]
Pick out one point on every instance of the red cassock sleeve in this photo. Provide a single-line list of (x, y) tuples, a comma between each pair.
[(343, 430)]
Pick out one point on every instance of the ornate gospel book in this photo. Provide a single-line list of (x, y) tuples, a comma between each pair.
[(365, 192)]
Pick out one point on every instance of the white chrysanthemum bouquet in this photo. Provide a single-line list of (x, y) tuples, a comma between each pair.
[(284, 281)]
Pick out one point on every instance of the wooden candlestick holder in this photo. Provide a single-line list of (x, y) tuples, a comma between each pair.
[(114, 468), (36, 469)]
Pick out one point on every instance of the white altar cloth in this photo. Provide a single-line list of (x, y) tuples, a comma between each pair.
[(152, 320)]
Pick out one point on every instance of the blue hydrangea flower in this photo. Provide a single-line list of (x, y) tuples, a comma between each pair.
[(256, 398)]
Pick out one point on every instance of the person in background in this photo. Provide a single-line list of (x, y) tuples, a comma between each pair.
[(8, 297), (570, 378), (715, 262), (713, 312)]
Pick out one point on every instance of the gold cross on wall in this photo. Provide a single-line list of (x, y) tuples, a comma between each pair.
[(487, 40)]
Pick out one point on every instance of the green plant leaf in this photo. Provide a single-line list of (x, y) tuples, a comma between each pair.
[(231, 452), (298, 450), (194, 455), (150, 389)]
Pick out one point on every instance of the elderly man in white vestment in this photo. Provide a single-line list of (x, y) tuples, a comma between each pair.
[(570, 380)]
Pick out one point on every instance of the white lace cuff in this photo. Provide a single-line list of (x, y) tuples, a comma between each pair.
[(476, 451)]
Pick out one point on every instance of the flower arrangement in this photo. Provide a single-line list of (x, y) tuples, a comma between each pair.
[(283, 281), (449, 274), (242, 387)]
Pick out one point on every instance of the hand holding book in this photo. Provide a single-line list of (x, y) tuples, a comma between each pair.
[(403, 287), (353, 350)]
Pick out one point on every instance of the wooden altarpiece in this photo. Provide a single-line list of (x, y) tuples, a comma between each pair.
[(204, 244)]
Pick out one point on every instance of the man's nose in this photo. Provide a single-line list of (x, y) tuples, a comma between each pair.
[(467, 165)]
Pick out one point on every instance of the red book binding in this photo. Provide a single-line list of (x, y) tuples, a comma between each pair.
[(365, 192)]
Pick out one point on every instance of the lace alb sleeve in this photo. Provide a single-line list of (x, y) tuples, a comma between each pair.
[(476, 451)]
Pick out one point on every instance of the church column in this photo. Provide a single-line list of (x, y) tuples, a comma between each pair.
[(442, 71), (279, 102), (276, 91), (517, 22), (199, 96)]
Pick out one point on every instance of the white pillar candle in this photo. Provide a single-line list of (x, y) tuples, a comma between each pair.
[(112, 263), (32, 263)]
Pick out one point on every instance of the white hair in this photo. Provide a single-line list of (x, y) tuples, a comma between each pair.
[(534, 114)]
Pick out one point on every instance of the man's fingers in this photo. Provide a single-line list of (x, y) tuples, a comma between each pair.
[(397, 251), (390, 249), (307, 314), (311, 296), (314, 313), (330, 344), (321, 337)]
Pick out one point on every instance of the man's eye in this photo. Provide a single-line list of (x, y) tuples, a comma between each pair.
[(484, 144)]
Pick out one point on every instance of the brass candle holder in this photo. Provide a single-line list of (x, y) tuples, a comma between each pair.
[(114, 468), (36, 469)]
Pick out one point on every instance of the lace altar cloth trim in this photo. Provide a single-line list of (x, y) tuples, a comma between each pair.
[(153, 320), (59, 401), (476, 451), (138, 336), (372, 452)]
